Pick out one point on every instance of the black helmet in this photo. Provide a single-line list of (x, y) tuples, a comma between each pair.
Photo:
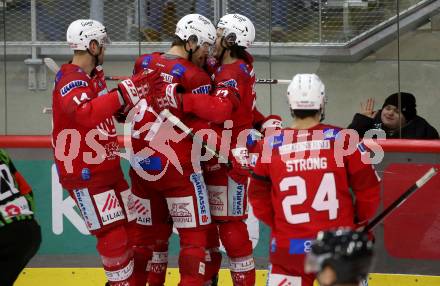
[(349, 253)]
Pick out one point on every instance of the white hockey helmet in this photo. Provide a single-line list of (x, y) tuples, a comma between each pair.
[(306, 92), (238, 29), (81, 32), (196, 25)]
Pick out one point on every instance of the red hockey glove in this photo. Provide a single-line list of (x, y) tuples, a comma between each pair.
[(140, 85), (169, 96), (271, 123), (240, 168)]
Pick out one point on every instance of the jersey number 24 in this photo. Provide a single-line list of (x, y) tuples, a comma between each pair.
[(325, 198)]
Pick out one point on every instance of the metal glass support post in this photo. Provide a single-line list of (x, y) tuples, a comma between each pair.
[(37, 79)]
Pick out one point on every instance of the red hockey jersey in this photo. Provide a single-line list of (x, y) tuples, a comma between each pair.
[(241, 77), (84, 134), (197, 85), (302, 180)]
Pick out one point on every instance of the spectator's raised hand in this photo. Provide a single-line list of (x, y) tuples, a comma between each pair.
[(367, 108)]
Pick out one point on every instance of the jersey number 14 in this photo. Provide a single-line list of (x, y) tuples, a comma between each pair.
[(325, 198)]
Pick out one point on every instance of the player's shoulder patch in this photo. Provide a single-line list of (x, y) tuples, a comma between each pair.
[(58, 76), (71, 85), (145, 62), (244, 67), (275, 141), (178, 70)]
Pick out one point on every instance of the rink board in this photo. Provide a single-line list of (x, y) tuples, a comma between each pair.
[(95, 277)]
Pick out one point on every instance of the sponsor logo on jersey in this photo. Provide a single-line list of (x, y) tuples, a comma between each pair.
[(86, 208), (167, 77), (330, 133), (182, 211), (143, 211), (300, 246), (202, 198), (15, 208), (231, 82), (236, 191), (218, 200), (71, 86), (178, 70), (108, 206), (146, 62), (202, 89)]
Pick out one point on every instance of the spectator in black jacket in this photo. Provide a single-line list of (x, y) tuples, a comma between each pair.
[(404, 123)]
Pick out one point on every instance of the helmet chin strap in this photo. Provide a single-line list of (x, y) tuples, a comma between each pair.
[(224, 48), (96, 57), (190, 52)]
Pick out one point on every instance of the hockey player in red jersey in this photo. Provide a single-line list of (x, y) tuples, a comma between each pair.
[(227, 186), (85, 145), (180, 188), (302, 180)]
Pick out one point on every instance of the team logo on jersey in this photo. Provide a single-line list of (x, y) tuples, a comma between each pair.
[(86, 208), (202, 198), (202, 89), (182, 211), (330, 133), (146, 61), (71, 86), (108, 206), (178, 70)]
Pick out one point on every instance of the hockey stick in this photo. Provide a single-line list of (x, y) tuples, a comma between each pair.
[(52, 65), (272, 81), (400, 200)]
